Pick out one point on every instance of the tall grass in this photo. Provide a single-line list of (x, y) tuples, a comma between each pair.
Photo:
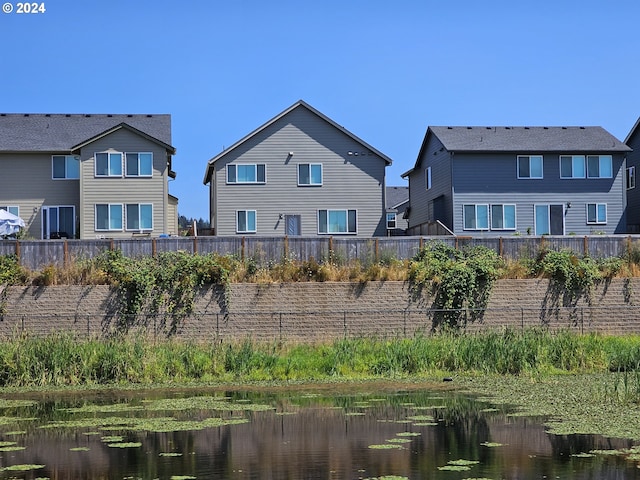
[(61, 359)]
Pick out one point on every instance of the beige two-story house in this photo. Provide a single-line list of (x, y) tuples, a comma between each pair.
[(87, 175)]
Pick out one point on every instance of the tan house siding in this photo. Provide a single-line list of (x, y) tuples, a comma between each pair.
[(26, 181), (124, 190)]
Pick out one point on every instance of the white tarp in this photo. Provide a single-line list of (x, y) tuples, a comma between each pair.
[(9, 223)]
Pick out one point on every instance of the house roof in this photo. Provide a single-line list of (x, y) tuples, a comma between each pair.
[(523, 140), (30, 132), (396, 196), (632, 131), (528, 139), (298, 104)]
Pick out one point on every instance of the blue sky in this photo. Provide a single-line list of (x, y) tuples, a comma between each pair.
[(384, 70)]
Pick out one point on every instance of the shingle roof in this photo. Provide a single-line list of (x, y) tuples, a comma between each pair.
[(396, 195), (61, 132), (528, 139)]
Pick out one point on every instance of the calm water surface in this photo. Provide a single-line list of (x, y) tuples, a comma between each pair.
[(345, 433)]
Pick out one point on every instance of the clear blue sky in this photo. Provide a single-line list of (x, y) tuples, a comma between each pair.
[(384, 70)]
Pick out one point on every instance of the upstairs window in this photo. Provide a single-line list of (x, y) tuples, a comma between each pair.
[(572, 166), (246, 173), (631, 177), (529, 166), (599, 166), (139, 164), (310, 174), (108, 164), (65, 167), (337, 221)]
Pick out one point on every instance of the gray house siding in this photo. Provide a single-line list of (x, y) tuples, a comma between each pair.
[(491, 178), (422, 199), (633, 194), (26, 182), (352, 178), (123, 190)]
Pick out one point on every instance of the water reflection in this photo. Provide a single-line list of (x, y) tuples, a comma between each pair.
[(301, 435)]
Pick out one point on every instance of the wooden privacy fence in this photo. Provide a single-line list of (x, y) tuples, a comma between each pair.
[(36, 254)]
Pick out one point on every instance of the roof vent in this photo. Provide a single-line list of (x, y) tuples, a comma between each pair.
[(449, 128), (109, 115), (87, 115), (130, 116), (526, 128), (507, 128), (47, 114), (3, 114), (67, 115), (149, 116), (564, 128), (26, 114), (546, 128), (581, 128), (468, 128), (489, 128)]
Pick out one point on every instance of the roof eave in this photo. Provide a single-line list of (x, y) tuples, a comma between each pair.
[(170, 149)]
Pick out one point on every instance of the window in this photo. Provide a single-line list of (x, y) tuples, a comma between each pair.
[(503, 217), (11, 209), (529, 166), (139, 164), (249, 173), (427, 178), (476, 217), (549, 219), (246, 221), (337, 221), (65, 167), (631, 178), (109, 216), (139, 216), (572, 166), (310, 174), (108, 164), (599, 166), (391, 221), (597, 213)]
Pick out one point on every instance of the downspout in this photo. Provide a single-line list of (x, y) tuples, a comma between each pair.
[(453, 214)]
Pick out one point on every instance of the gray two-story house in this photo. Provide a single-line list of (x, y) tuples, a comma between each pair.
[(497, 181), (298, 174), (633, 193), (89, 175)]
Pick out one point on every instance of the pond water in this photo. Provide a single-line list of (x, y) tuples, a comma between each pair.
[(310, 433)]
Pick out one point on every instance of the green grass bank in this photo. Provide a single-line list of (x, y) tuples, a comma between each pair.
[(62, 360)]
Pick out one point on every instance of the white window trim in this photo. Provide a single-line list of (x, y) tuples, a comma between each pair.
[(529, 177), (255, 165), (66, 175), (48, 207), (610, 157), (427, 178), (109, 205), (346, 210), (476, 205), (245, 212), (127, 174), (310, 184), (630, 180), (7, 207), (597, 222), (515, 213), (584, 161), (108, 175), (395, 220), (127, 229)]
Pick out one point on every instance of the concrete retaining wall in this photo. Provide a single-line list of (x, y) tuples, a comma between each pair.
[(313, 311)]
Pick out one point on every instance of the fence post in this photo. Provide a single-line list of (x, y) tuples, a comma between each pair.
[(377, 256), (286, 247), (65, 253), (242, 250), (585, 246), (500, 250), (420, 242), (18, 252), (153, 247), (330, 249), (195, 245)]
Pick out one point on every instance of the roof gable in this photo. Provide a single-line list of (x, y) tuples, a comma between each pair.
[(298, 104), (123, 126), (632, 132), (63, 132)]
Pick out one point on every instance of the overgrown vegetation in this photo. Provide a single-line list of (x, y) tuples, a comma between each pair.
[(459, 279), (65, 360)]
